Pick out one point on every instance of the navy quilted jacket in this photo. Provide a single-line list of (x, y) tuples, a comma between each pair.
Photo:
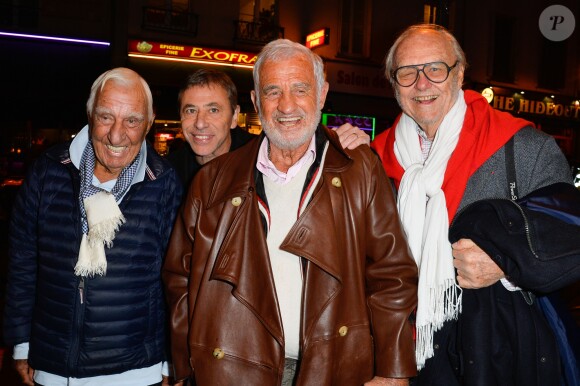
[(118, 325)]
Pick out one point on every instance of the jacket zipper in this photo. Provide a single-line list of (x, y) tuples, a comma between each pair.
[(77, 327), (82, 290), (527, 228), (528, 296)]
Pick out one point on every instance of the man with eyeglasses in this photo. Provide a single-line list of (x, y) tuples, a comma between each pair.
[(445, 151)]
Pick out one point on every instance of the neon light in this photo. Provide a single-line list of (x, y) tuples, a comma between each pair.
[(318, 38), (191, 53), (54, 38), (362, 122), (190, 61)]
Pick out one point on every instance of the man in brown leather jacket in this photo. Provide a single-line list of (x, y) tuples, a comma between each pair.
[(288, 264)]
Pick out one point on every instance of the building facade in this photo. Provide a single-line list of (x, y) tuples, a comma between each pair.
[(164, 40)]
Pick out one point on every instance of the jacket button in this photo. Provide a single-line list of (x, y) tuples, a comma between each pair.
[(218, 353), (343, 331), (236, 201), (336, 182), (543, 359)]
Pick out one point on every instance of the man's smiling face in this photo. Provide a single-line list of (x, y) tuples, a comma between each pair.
[(289, 102), (206, 121), (118, 126), (424, 101)]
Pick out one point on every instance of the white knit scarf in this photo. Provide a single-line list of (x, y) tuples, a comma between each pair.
[(100, 214), (423, 211)]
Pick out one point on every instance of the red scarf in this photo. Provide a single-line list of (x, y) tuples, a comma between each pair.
[(484, 131)]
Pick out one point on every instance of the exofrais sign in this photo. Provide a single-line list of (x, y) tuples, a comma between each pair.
[(196, 54)]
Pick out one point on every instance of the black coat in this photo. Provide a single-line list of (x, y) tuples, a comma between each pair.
[(502, 337), (535, 241), (183, 158)]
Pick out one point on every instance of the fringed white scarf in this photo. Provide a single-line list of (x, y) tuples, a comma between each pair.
[(100, 214), (423, 211), (104, 219)]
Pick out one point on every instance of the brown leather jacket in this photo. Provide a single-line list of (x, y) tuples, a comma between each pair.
[(360, 282)]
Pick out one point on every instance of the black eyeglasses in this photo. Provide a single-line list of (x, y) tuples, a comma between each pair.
[(436, 72)]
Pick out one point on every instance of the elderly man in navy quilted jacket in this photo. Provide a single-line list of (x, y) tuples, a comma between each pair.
[(88, 234)]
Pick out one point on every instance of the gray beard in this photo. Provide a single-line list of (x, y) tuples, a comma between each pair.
[(278, 139)]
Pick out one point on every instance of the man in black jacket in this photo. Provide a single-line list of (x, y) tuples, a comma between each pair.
[(208, 107)]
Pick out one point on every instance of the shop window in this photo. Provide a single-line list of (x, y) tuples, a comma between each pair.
[(503, 49), (247, 10), (257, 10), (429, 13), (355, 28), (170, 5), (258, 21), (172, 15), (552, 74), (250, 122), (436, 12)]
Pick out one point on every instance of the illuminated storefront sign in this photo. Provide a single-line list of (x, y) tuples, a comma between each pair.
[(177, 52), (365, 123), (547, 108), (318, 38)]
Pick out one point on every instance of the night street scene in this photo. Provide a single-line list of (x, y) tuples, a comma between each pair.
[(522, 56)]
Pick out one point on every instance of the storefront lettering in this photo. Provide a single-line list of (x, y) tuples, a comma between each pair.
[(549, 108), (318, 38), (155, 49), (521, 105), (222, 56), (352, 78), (170, 47), (316, 35), (171, 50), (503, 103)]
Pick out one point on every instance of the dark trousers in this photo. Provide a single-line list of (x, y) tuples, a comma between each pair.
[(290, 372)]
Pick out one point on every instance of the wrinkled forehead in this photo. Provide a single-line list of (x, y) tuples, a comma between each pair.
[(296, 62), (424, 47), (120, 92)]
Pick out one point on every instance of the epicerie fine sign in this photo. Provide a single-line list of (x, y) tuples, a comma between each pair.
[(318, 38), (141, 48)]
